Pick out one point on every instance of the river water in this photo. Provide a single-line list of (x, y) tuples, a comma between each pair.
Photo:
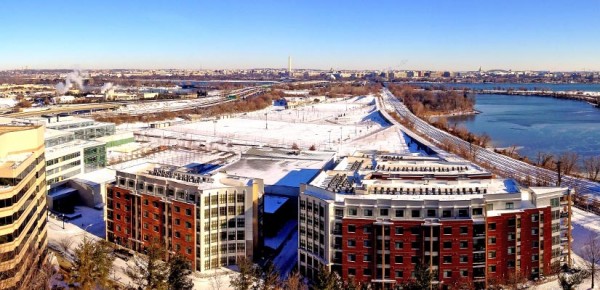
[(537, 124)]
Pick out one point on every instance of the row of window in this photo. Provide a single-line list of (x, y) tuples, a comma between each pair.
[(415, 213), (63, 158)]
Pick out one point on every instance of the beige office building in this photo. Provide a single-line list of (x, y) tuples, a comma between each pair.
[(23, 236)]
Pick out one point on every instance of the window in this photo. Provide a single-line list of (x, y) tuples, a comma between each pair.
[(535, 257), (511, 250), (447, 259), (351, 243), (399, 230), (414, 245), (509, 205), (492, 226), (368, 212), (447, 230), (177, 209), (399, 274), (414, 259), (492, 268), (492, 255), (188, 225), (554, 202), (351, 271), (366, 258), (351, 257), (383, 212), (448, 245), (415, 230), (399, 245), (447, 213), (464, 273), (464, 244), (464, 259), (188, 212), (477, 211), (416, 213), (535, 217), (351, 228), (177, 222), (464, 230), (352, 211), (367, 272), (492, 240), (367, 229), (399, 213), (463, 212), (534, 231), (447, 273), (535, 244), (399, 259), (367, 243), (431, 213)]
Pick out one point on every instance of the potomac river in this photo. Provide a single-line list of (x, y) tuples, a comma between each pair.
[(537, 123)]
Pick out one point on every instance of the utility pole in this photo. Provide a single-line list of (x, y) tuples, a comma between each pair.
[(558, 163)]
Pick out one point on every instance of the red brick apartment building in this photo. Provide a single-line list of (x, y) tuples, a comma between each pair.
[(210, 219), (373, 218)]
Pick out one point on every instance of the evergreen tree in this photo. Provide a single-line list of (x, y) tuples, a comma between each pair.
[(149, 271), (93, 264), (179, 273), (327, 280), (247, 275)]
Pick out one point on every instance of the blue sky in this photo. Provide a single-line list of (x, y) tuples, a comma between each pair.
[(437, 35)]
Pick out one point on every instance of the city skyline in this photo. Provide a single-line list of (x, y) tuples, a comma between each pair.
[(464, 36)]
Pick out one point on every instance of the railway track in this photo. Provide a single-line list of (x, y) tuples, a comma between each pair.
[(502, 164)]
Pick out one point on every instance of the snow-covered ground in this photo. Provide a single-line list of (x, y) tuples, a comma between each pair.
[(282, 235), (325, 125), (287, 258), (585, 225)]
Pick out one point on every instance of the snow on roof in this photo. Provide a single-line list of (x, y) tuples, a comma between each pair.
[(104, 175), (273, 203), (278, 167)]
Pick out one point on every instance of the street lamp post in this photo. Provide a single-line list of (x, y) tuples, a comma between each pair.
[(266, 122), (329, 139), (215, 127)]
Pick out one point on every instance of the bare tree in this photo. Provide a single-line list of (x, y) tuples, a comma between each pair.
[(294, 281), (568, 162), (216, 281), (484, 140), (591, 255), (544, 159), (592, 167), (64, 245)]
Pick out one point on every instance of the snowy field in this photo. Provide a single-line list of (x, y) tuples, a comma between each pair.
[(325, 125)]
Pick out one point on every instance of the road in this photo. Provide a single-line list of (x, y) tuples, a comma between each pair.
[(504, 165)]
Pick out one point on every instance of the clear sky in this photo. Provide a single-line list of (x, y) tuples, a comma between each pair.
[(437, 35)]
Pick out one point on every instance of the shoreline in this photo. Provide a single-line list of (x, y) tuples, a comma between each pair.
[(455, 114)]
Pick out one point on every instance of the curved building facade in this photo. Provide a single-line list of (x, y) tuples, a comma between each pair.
[(23, 236)]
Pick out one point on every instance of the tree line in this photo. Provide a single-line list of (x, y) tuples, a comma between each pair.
[(424, 103)]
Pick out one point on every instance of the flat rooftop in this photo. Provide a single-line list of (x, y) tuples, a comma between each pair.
[(58, 150), (184, 175), (279, 166)]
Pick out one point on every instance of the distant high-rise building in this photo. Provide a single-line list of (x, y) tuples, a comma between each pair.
[(23, 238), (290, 65)]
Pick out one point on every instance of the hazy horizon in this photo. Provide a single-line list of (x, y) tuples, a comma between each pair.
[(435, 35)]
